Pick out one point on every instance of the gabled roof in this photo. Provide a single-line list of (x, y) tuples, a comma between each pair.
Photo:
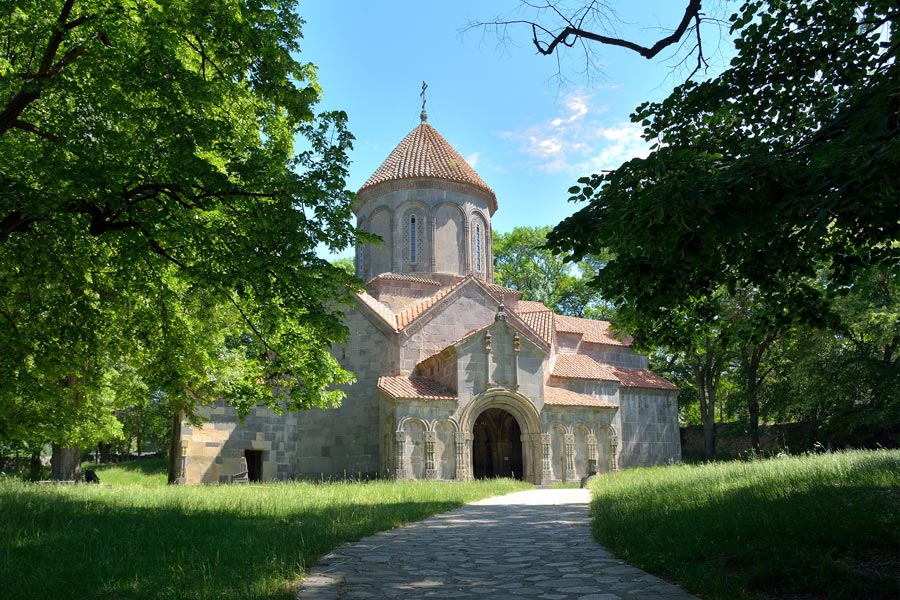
[(412, 313), (425, 153), (538, 317), (410, 388), (641, 378), (561, 397), (507, 293), (403, 277), (581, 366), (594, 332)]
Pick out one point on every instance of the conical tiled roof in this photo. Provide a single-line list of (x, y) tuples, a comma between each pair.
[(425, 153)]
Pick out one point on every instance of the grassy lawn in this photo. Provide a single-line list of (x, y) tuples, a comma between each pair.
[(825, 526), (134, 537)]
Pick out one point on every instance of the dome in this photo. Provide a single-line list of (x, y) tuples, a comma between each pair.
[(424, 153)]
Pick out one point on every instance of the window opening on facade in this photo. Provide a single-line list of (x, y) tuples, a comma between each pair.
[(412, 238), (478, 242)]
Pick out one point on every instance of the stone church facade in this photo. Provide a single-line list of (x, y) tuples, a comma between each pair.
[(457, 377)]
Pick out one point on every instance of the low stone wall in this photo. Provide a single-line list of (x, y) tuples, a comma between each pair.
[(733, 439)]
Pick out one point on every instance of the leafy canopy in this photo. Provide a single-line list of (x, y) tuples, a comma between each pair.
[(775, 176), (164, 182)]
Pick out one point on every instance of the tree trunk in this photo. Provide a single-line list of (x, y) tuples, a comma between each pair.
[(140, 431), (707, 397), (104, 448), (65, 465), (34, 465), (175, 448), (754, 423)]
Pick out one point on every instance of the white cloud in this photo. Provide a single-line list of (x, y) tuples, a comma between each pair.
[(578, 141), (472, 159)]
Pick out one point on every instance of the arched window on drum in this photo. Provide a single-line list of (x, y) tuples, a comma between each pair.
[(413, 239)]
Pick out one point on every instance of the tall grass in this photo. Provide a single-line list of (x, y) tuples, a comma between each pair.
[(827, 525), (223, 542), (147, 472)]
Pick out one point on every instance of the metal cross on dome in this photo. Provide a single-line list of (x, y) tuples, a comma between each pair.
[(424, 114)]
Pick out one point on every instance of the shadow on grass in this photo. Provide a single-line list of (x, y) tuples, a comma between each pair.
[(64, 547), (820, 541)]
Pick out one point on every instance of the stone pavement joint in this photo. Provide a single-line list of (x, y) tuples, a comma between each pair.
[(532, 544)]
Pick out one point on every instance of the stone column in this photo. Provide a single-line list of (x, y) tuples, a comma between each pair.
[(400, 456), (592, 453), (547, 475), (462, 455), (570, 457), (613, 458), (430, 439)]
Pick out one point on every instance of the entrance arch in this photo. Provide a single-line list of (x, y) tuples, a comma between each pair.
[(513, 408), (496, 445)]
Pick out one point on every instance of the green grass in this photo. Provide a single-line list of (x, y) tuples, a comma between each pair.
[(147, 472), (224, 542), (825, 526)]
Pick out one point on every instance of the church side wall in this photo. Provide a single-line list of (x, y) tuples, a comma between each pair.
[(215, 448), (344, 442), (649, 428)]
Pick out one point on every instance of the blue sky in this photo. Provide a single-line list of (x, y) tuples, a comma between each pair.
[(500, 105)]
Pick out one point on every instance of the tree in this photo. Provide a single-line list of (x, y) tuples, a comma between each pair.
[(763, 176), (522, 262), (154, 216), (557, 26)]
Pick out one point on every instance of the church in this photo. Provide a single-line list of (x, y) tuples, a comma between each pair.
[(457, 377)]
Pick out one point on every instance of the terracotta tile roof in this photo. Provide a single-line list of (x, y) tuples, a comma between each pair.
[(425, 153), (540, 321), (508, 293), (413, 312), (404, 277), (410, 388), (581, 366), (561, 397), (525, 306), (595, 332), (378, 308), (640, 378)]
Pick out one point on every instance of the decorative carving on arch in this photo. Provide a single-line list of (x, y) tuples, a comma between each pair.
[(526, 416)]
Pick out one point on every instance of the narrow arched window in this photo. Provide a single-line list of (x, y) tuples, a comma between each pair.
[(412, 238), (478, 247)]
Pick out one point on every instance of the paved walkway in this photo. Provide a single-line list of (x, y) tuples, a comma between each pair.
[(532, 544)]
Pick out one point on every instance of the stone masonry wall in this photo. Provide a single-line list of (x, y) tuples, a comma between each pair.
[(469, 311), (214, 449), (344, 442), (649, 428)]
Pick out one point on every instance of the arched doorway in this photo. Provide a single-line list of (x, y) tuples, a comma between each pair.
[(496, 445)]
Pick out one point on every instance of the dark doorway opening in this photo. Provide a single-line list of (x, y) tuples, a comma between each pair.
[(254, 464), (496, 445)]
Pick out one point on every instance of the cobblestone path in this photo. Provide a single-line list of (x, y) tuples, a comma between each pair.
[(532, 544)]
